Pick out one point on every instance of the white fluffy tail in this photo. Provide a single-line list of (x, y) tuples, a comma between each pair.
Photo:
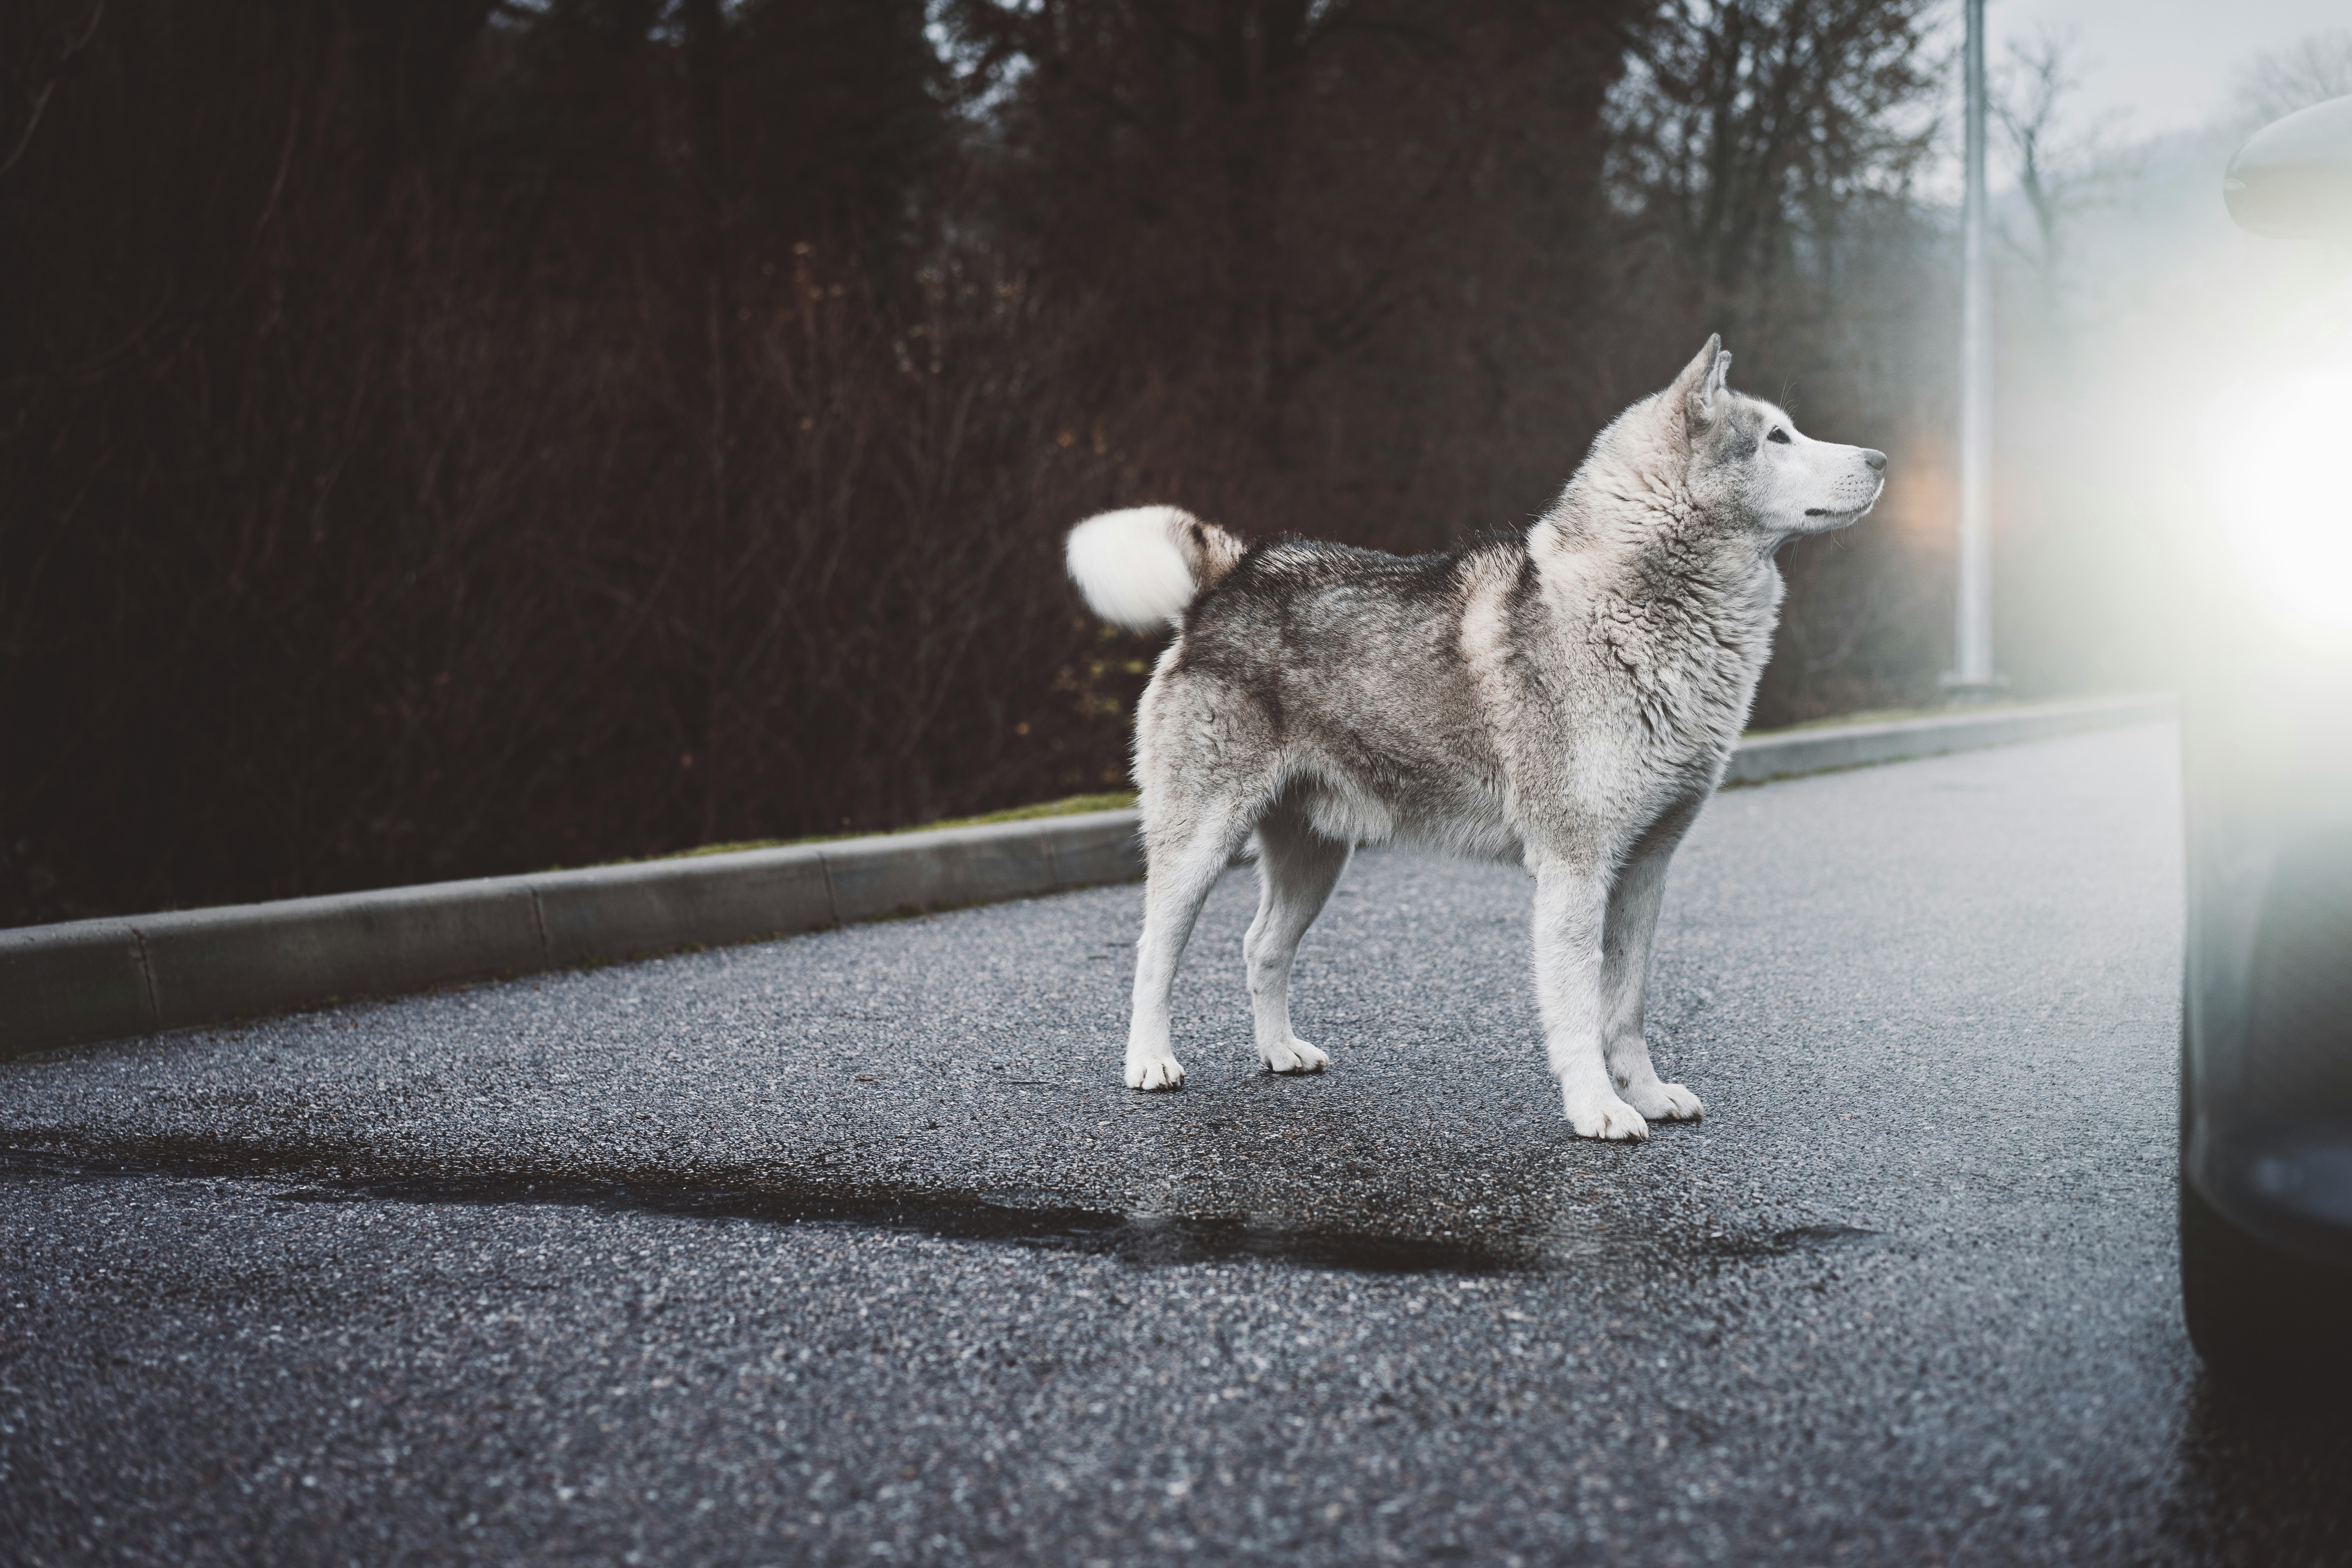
[(1140, 568)]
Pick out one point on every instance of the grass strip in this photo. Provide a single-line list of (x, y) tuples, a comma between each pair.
[(1068, 805)]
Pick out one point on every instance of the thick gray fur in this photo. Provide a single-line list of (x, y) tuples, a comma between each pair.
[(1567, 698)]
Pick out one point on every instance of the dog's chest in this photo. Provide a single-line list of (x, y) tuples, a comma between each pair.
[(1686, 661)]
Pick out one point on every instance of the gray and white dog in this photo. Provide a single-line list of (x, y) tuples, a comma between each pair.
[(1566, 699)]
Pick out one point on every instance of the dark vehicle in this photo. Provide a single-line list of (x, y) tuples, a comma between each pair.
[(2266, 1025)]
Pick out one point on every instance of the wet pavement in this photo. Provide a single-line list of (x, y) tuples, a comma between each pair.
[(852, 1248)]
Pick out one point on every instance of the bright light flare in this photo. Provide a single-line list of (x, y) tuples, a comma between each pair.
[(2278, 478)]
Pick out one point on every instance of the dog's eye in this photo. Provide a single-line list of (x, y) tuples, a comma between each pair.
[(1778, 434)]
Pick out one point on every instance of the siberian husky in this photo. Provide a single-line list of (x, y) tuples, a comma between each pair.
[(1566, 699)]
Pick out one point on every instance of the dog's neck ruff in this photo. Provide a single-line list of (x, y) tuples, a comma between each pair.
[(1680, 598), (1649, 538)]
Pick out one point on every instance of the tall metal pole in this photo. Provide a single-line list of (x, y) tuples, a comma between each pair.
[(1973, 673)]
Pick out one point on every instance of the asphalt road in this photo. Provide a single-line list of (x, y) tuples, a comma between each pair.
[(851, 1248)]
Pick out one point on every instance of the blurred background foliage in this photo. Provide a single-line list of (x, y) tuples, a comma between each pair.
[(442, 437)]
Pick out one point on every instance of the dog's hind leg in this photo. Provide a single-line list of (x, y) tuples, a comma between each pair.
[(1625, 970), (1296, 868), (1186, 858)]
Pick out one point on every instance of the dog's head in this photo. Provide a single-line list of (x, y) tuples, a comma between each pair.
[(1746, 463)]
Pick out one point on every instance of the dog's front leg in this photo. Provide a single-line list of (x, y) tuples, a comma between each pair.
[(1571, 914), (1634, 901)]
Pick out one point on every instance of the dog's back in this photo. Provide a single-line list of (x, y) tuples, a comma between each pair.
[(1343, 676)]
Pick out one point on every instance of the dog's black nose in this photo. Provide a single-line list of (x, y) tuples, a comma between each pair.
[(1876, 458)]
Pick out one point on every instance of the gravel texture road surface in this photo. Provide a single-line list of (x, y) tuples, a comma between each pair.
[(853, 1250)]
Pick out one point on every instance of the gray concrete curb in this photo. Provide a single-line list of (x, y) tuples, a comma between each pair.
[(89, 980), (1785, 754)]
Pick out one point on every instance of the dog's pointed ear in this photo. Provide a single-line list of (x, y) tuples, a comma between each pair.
[(1698, 392)]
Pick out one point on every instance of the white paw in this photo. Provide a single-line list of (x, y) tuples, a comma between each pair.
[(1154, 1072), (1664, 1102), (1293, 1055), (1606, 1116)]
